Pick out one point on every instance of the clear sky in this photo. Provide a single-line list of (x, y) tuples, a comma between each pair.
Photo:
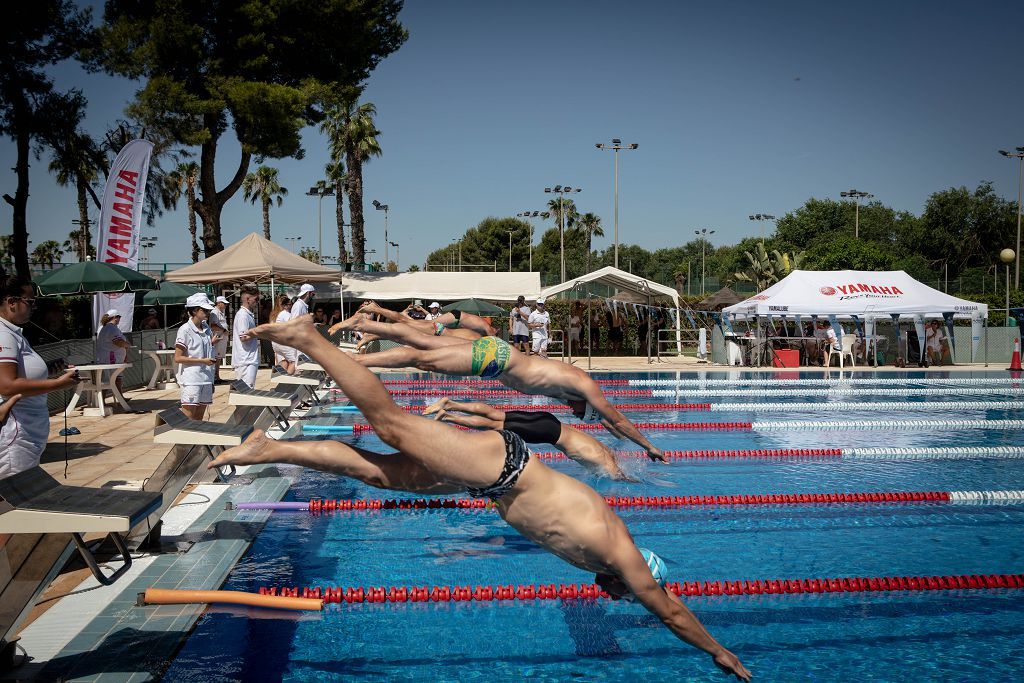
[(738, 108)]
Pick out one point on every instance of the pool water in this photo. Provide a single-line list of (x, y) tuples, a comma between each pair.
[(943, 635)]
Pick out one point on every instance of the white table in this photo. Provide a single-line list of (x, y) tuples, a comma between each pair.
[(163, 370), (94, 383)]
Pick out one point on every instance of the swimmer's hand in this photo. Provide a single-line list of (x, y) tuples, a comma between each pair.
[(656, 454), (730, 664)]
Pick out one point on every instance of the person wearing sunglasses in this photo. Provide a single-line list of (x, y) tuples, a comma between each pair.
[(23, 372)]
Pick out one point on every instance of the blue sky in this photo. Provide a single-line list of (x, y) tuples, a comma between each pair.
[(738, 108)]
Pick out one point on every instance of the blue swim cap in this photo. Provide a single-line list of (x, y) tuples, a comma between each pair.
[(657, 566)]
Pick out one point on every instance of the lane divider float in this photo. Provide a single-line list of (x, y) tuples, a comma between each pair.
[(912, 453), (780, 381), (834, 391), (317, 505), (562, 591)]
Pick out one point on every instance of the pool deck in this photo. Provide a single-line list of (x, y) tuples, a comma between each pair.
[(82, 631)]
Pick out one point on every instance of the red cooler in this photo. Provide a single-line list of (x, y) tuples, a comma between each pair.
[(786, 358)]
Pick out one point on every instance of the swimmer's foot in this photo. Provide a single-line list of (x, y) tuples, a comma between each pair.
[(296, 333), (348, 323), (253, 451), (436, 406)]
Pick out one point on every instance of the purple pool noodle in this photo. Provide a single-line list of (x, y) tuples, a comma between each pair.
[(272, 506)]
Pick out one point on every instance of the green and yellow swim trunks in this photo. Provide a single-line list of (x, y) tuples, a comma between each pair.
[(490, 356)]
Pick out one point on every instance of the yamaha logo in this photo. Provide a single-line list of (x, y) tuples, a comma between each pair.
[(828, 291)]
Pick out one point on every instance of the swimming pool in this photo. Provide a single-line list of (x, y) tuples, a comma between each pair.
[(933, 635)]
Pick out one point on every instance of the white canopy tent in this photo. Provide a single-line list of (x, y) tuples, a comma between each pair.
[(621, 280), (854, 292), (864, 295), (441, 286)]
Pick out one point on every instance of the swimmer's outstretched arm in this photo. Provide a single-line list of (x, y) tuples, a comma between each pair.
[(618, 423), (471, 407)]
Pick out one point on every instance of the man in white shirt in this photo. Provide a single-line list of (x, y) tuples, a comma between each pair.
[(219, 324), (300, 306), (245, 355), (518, 329), (538, 322), (434, 311)]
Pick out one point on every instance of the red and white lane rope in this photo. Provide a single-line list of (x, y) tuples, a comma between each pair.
[(839, 391), (800, 425), (796, 383), (481, 383), (916, 453), (318, 505), (562, 591), (832, 406)]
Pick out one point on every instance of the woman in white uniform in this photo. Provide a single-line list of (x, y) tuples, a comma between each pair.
[(111, 346), (194, 355), (23, 372), (285, 357)]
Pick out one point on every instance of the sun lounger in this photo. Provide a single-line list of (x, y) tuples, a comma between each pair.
[(277, 403), (34, 502)]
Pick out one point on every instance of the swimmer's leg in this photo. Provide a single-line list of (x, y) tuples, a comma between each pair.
[(449, 360), (391, 471)]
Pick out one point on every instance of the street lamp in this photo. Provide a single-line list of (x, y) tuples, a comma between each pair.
[(1020, 189), (762, 217), (561, 192), (615, 146), (459, 240), (383, 207), (320, 190), (147, 243), (856, 195), (533, 214), (294, 241), (398, 256), (509, 250), (1007, 256), (703, 235)]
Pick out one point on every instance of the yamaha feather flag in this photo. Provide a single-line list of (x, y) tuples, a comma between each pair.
[(121, 224)]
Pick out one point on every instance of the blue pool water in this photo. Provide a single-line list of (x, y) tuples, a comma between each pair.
[(948, 635)]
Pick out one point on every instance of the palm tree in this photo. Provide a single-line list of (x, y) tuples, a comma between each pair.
[(590, 223), (767, 269), (353, 136), (79, 161), (335, 171), (47, 253), (263, 186), (183, 180)]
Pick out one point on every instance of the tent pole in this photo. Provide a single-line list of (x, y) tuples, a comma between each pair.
[(986, 342), (648, 325), (590, 340)]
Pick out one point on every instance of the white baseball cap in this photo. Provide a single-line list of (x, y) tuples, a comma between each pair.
[(434, 304), (200, 300), (222, 300), (306, 288), (113, 313), (540, 300)]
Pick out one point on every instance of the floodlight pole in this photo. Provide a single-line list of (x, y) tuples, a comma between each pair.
[(856, 195), (1020, 191), (616, 145), (561, 191)]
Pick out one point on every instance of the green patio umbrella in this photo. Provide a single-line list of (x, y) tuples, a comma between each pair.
[(92, 277), (475, 306), (170, 293)]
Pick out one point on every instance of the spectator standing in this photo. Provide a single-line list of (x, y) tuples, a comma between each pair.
[(111, 346), (319, 316), (935, 342), (151, 321), (285, 357), (595, 330), (335, 318), (434, 311), (300, 306), (219, 326), (539, 322), (575, 324), (614, 320), (245, 355), (24, 374), (195, 356), (518, 325)]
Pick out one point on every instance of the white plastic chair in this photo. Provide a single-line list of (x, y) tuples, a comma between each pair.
[(848, 341)]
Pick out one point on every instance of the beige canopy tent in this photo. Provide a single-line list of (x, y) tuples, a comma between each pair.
[(441, 286), (624, 282), (257, 260)]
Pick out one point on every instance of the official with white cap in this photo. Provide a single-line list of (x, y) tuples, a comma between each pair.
[(538, 322), (111, 346), (219, 326), (194, 354), (434, 310), (300, 306)]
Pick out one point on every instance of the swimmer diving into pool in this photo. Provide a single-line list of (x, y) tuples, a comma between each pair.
[(455, 323), (493, 358), (533, 426), (559, 513)]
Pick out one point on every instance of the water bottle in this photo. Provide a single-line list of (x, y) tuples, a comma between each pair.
[(160, 344)]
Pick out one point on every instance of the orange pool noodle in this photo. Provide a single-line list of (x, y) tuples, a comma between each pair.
[(162, 596)]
